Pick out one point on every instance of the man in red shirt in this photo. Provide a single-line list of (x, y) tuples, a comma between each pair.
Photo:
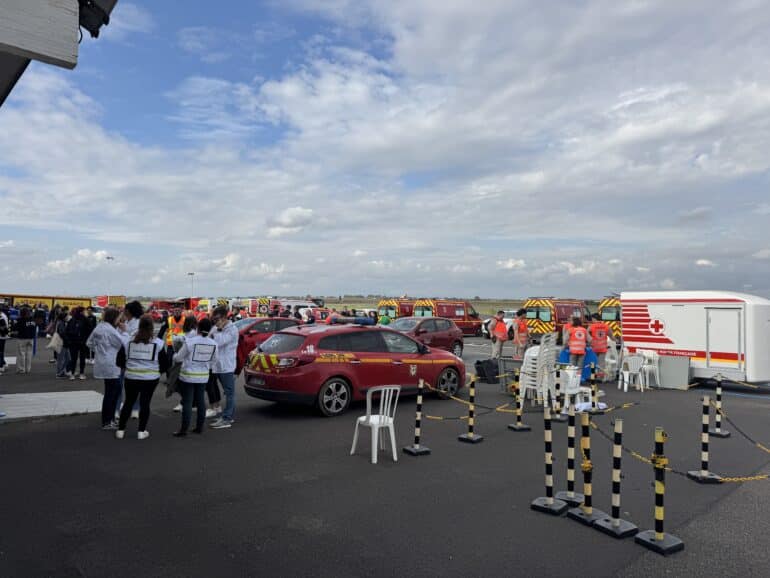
[(599, 332), (499, 334), (576, 337)]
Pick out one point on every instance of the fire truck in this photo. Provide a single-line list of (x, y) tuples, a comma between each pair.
[(609, 311), (394, 308), (550, 315), (461, 312)]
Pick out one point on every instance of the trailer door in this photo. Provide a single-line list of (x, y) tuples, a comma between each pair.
[(724, 347)]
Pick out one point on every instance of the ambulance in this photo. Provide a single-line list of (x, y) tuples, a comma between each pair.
[(609, 312), (395, 308), (550, 315), (461, 312), (722, 333)]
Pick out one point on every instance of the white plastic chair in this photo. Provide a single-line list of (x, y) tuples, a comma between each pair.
[(384, 419), (649, 370), (611, 361), (632, 369)]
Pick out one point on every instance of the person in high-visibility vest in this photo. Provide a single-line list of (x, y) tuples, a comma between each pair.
[(499, 333), (599, 332), (172, 326), (577, 339), (520, 334)]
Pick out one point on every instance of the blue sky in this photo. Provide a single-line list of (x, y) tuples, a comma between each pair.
[(502, 149)]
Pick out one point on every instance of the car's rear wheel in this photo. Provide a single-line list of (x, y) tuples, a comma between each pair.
[(448, 382), (334, 397), (457, 348)]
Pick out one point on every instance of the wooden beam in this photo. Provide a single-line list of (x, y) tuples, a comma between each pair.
[(45, 30)]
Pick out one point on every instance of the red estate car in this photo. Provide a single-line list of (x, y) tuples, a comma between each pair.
[(253, 331), (331, 365), (432, 331)]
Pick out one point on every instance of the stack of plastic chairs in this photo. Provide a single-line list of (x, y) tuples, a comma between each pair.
[(611, 361), (649, 368), (528, 380)]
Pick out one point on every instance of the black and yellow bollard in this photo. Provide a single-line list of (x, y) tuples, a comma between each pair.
[(417, 449), (586, 513), (718, 431), (518, 426), (657, 540), (471, 437), (557, 416), (594, 393), (614, 525), (704, 476), (572, 497), (548, 504)]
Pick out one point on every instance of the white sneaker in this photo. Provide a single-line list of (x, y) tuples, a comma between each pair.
[(72, 377), (178, 407), (211, 413), (142, 435), (134, 414), (82, 376), (120, 434)]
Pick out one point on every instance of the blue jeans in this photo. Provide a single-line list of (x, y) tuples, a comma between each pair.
[(228, 387), (62, 361), (190, 391), (112, 390)]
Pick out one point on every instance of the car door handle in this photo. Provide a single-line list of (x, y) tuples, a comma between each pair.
[(355, 361)]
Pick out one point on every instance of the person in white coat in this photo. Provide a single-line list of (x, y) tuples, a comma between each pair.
[(225, 334), (105, 342), (196, 356)]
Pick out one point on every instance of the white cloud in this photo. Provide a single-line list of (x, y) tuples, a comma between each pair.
[(668, 284), (127, 19), (7, 244), (640, 269), (82, 261), (762, 254), (289, 221), (512, 264), (705, 263), (204, 42), (359, 253)]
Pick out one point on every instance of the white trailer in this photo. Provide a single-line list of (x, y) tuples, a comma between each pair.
[(722, 333)]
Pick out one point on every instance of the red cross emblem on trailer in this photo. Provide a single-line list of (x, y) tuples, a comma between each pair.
[(657, 327)]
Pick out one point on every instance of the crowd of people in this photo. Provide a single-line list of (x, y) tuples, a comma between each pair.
[(195, 355)]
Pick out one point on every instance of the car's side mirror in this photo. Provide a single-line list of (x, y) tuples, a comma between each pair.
[(423, 349)]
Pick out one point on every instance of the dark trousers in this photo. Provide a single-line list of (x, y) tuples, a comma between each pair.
[(212, 390), (2, 352), (112, 389), (190, 391), (76, 351), (143, 389)]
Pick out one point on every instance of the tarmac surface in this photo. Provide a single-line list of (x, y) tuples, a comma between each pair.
[(279, 494)]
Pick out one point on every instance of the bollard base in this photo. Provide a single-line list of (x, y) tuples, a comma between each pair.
[(572, 501), (707, 478), (519, 427), (417, 450), (668, 545), (555, 508), (588, 519), (471, 438), (623, 530), (719, 434)]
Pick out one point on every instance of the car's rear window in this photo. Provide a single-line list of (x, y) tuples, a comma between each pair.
[(354, 341), (404, 324), (282, 343)]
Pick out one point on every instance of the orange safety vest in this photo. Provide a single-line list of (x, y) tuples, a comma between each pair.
[(500, 331), (330, 319), (577, 340), (174, 328), (523, 332), (599, 331)]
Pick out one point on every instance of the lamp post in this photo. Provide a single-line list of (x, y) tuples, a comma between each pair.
[(109, 259), (192, 287)]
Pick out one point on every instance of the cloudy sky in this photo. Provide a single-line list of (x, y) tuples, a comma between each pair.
[(499, 148)]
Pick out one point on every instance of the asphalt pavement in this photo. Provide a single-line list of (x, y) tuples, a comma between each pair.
[(279, 494)]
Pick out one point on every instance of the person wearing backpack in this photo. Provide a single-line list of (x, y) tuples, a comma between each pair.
[(75, 336), (5, 333)]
